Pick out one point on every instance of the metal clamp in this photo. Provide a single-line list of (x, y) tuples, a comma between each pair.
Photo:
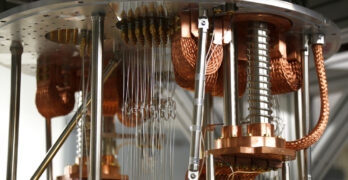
[(318, 39), (192, 175), (203, 23)]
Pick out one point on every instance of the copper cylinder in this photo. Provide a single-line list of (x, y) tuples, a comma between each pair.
[(54, 95)]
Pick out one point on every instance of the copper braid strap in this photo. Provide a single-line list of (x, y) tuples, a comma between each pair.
[(318, 130)]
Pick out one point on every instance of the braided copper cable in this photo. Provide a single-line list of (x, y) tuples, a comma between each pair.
[(184, 54), (318, 130), (286, 75), (242, 79)]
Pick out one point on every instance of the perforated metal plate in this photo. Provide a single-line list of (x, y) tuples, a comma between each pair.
[(29, 23)]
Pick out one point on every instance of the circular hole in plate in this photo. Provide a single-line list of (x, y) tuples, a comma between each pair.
[(1, 37), (3, 21)]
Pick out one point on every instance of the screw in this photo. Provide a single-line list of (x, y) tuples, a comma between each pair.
[(193, 176)]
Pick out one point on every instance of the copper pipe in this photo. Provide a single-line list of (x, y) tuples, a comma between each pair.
[(318, 130)]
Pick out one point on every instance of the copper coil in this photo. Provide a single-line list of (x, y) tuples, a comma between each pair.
[(318, 130), (111, 99), (53, 96), (285, 75), (242, 79), (184, 56)]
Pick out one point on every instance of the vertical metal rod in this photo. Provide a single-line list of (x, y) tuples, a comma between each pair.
[(306, 105), (302, 113), (49, 171), (299, 132), (12, 152), (71, 125), (96, 97), (230, 82), (286, 171), (203, 25), (209, 136)]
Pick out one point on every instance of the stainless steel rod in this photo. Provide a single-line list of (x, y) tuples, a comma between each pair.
[(209, 136), (49, 172), (194, 159), (12, 152), (305, 105), (230, 82), (299, 132), (69, 128), (286, 171), (302, 113), (96, 97)]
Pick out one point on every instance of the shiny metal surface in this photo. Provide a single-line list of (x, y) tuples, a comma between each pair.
[(302, 112), (286, 171), (259, 86), (12, 151), (203, 26), (30, 22), (49, 171), (209, 136), (96, 97), (70, 127), (230, 64), (305, 103)]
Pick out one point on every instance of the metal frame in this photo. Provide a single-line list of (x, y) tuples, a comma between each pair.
[(45, 12), (70, 126)]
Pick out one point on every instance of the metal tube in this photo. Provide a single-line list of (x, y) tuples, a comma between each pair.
[(49, 171), (286, 171), (306, 105), (302, 114), (12, 152), (230, 82), (69, 128), (299, 132), (96, 97), (209, 136), (193, 168)]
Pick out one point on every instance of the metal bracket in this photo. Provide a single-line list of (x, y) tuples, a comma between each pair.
[(318, 39), (192, 175), (203, 23)]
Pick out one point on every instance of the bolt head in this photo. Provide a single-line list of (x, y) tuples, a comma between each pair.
[(193, 176)]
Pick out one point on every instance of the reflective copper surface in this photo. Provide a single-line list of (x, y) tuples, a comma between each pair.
[(319, 129)]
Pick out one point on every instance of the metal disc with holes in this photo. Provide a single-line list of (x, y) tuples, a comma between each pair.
[(32, 23)]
